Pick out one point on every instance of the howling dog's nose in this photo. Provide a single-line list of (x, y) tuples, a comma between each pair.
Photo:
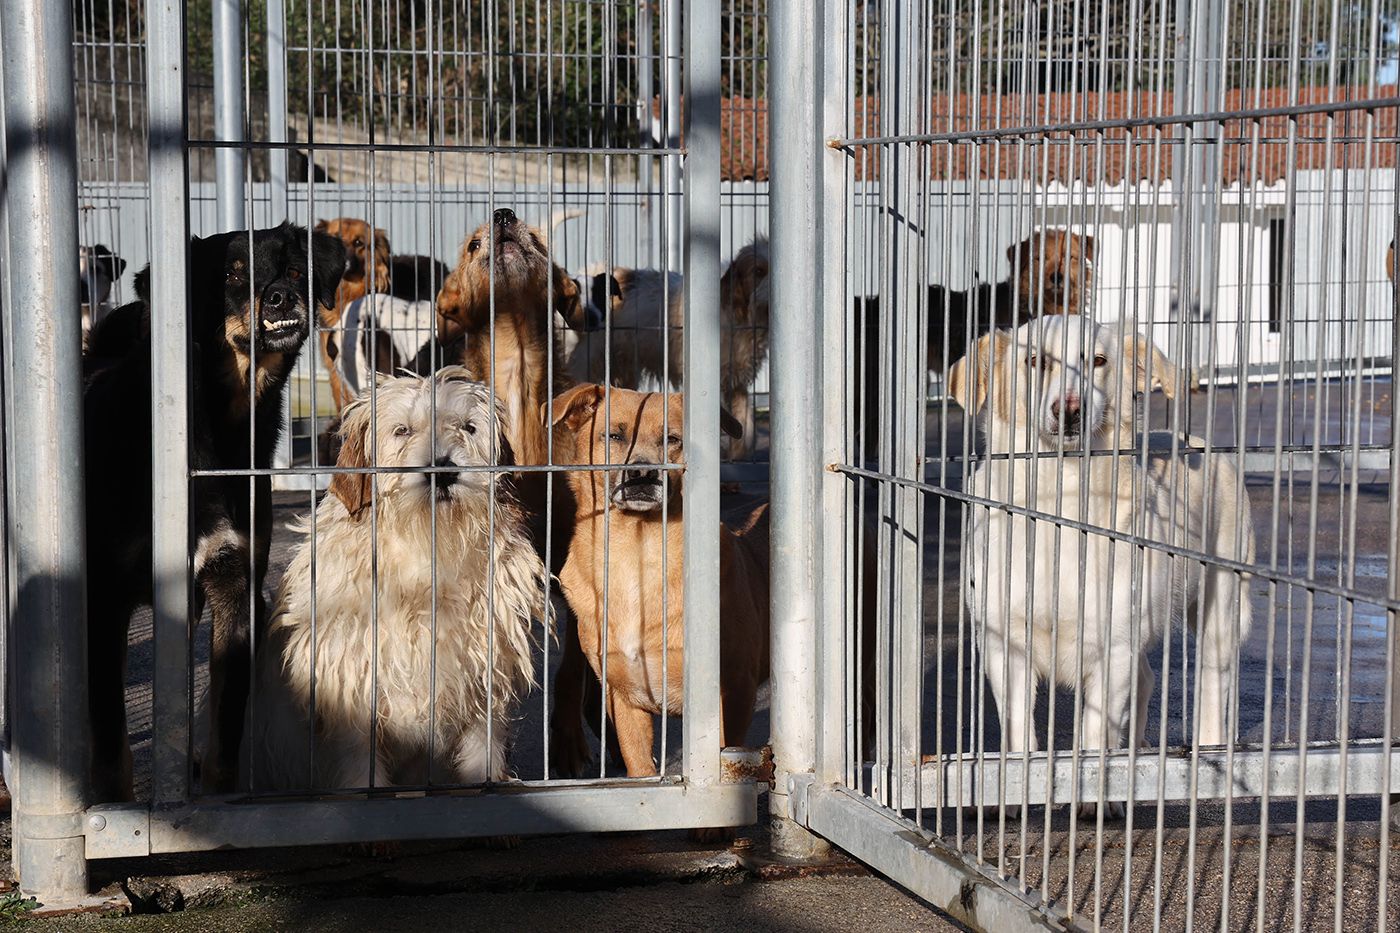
[(504, 216)]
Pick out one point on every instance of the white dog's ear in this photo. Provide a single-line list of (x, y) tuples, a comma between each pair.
[(1151, 370), (968, 377), (353, 489)]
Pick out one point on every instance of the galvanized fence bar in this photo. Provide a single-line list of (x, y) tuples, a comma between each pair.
[(230, 161), (704, 735), (170, 537), (839, 622), (49, 655), (797, 444)]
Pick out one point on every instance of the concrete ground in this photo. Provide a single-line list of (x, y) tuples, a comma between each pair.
[(659, 881)]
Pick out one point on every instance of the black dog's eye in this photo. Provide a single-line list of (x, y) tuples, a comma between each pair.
[(402, 430), (294, 273), (473, 246)]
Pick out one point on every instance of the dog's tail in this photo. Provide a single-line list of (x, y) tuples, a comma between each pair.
[(562, 216), (753, 535)]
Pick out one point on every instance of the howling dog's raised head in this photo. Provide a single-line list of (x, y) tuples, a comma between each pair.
[(508, 257)]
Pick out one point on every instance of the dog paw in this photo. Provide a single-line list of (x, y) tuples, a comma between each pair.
[(1113, 810)]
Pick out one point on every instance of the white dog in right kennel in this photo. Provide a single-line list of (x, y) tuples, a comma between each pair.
[(1049, 396)]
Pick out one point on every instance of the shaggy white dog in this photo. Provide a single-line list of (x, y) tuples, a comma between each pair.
[(441, 690)]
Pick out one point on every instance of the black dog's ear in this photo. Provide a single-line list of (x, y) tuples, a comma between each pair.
[(328, 265), (143, 284), (118, 266)]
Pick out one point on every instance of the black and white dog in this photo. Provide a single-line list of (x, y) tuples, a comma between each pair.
[(249, 314)]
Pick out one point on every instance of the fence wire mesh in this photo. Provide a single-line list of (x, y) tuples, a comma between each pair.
[(1119, 449)]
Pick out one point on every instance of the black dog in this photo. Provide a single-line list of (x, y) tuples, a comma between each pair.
[(416, 278), (249, 314)]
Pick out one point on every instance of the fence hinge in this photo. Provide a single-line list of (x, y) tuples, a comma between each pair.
[(798, 784), (49, 825), (117, 831), (741, 765)]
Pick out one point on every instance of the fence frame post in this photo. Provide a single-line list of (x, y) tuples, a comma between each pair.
[(796, 392), (170, 474), (229, 162), (703, 737), (49, 652)]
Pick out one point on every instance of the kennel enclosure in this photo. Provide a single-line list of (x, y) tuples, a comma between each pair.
[(1235, 166)]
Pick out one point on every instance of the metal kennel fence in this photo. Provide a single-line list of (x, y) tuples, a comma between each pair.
[(1235, 165), (423, 119)]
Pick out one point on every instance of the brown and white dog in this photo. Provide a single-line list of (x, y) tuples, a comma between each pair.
[(1051, 273), (620, 547), (647, 343), (452, 663), (509, 349), (366, 269)]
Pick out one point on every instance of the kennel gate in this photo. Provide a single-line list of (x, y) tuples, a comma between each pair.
[(57, 828), (973, 126)]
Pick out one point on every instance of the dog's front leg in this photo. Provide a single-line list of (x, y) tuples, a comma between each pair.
[(569, 754), (1006, 675), (635, 735), (738, 401), (224, 577)]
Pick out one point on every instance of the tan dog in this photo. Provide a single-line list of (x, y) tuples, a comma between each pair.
[(619, 514), (367, 260), (513, 355)]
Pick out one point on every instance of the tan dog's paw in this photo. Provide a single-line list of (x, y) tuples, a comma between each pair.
[(714, 835)]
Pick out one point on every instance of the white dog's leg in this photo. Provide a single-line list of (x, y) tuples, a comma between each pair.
[(1147, 683), (1006, 675), (1100, 729), (1221, 626), (343, 761), (475, 761)]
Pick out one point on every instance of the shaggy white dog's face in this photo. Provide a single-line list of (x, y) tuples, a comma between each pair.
[(435, 424)]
